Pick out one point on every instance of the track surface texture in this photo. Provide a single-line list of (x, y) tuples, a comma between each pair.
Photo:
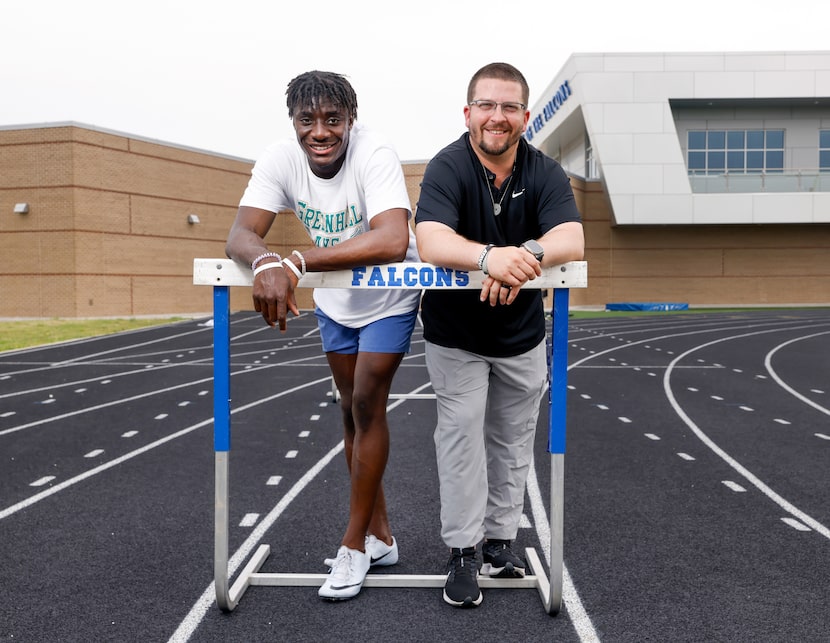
[(696, 500)]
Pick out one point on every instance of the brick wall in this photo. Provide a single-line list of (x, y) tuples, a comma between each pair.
[(107, 235)]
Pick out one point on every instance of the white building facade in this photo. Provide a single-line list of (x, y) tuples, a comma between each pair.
[(695, 138)]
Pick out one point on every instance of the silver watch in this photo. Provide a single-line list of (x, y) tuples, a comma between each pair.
[(535, 248)]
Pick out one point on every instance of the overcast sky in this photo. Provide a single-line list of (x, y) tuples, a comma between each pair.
[(212, 75)]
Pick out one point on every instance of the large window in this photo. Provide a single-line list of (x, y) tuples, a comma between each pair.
[(824, 150), (737, 151)]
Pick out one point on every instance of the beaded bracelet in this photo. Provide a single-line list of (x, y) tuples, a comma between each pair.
[(302, 260), (264, 255)]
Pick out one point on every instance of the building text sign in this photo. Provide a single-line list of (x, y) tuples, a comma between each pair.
[(550, 108)]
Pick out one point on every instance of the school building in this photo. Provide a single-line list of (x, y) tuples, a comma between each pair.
[(702, 178)]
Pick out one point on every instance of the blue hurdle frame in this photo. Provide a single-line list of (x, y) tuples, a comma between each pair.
[(227, 596)]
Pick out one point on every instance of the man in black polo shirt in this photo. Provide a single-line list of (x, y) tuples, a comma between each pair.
[(489, 201)]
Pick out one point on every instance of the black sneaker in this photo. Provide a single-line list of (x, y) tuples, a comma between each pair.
[(461, 588), (500, 561)]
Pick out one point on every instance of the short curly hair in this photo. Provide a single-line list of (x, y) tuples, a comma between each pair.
[(308, 89)]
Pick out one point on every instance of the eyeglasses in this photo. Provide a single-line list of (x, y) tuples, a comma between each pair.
[(508, 109)]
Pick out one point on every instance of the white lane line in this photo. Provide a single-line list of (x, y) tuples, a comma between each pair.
[(303, 434), (734, 486), (55, 387), (273, 481), (121, 349), (781, 421), (746, 408), (160, 416), (7, 414), (782, 384), (524, 522), (822, 436), (792, 522), (8, 511), (97, 407), (743, 471), (624, 419), (686, 456), (41, 481), (576, 610), (94, 453), (314, 417), (651, 436), (291, 454), (249, 520), (129, 434)]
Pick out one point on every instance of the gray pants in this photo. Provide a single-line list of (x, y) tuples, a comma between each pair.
[(487, 413)]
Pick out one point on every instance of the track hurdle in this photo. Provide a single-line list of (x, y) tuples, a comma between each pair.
[(222, 274)]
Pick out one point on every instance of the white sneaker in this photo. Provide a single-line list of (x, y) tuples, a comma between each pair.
[(346, 576), (381, 554)]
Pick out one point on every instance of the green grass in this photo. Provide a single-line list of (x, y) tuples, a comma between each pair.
[(23, 334)]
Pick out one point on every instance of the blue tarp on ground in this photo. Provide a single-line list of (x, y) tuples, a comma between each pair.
[(647, 306)]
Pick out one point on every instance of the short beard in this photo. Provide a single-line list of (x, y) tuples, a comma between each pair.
[(495, 151)]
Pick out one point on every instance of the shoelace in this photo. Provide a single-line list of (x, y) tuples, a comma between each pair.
[(465, 566), (342, 568)]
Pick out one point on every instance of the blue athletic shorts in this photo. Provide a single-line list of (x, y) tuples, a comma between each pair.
[(387, 335)]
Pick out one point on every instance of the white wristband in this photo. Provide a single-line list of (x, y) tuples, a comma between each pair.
[(267, 266), (290, 265)]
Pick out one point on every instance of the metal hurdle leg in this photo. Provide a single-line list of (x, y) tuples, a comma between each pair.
[(221, 442)]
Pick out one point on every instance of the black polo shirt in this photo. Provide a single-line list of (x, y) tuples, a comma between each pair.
[(454, 192)]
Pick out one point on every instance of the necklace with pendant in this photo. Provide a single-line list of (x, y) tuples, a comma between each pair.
[(496, 206)]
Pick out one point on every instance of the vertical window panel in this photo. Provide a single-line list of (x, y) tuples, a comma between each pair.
[(697, 140), (755, 139), (735, 140), (715, 160), (775, 139), (716, 139), (735, 161)]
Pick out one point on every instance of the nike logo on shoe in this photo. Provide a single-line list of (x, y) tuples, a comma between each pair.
[(375, 560), (339, 587)]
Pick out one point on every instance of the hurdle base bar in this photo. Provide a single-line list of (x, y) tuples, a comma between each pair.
[(251, 576)]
